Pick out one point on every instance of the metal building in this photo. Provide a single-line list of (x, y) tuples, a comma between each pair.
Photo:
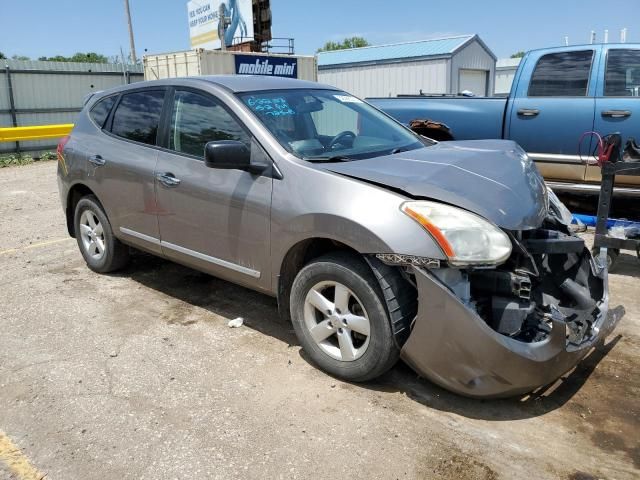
[(36, 92), (505, 71), (437, 66)]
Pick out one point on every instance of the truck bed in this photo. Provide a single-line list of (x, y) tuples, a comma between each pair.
[(473, 118)]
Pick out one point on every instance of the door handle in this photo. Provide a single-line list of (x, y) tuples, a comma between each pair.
[(167, 179), (528, 112), (616, 113), (97, 160)]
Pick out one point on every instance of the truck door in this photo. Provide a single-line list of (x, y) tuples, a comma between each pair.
[(618, 101), (549, 113)]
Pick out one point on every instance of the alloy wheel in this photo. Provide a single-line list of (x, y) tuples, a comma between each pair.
[(337, 321), (92, 235)]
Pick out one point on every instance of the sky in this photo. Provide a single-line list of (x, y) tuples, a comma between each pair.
[(62, 27)]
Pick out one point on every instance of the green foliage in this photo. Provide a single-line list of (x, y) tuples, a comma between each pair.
[(12, 159), (20, 57), (2, 55), (352, 42), (519, 54), (89, 57)]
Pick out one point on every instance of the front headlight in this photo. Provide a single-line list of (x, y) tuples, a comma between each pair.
[(464, 237)]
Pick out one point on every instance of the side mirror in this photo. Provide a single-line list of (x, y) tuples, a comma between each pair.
[(230, 154)]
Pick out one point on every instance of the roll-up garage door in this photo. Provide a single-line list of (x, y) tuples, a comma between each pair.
[(474, 81)]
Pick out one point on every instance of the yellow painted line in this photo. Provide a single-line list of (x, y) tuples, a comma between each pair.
[(16, 461), (34, 132), (35, 245)]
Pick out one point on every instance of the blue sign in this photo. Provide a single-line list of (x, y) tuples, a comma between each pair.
[(269, 66)]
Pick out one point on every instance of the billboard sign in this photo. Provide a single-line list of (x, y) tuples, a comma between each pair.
[(269, 66), (204, 22)]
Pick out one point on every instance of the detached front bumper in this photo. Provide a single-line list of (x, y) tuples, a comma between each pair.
[(451, 345)]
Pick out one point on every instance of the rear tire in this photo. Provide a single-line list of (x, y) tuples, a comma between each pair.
[(340, 319), (102, 251)]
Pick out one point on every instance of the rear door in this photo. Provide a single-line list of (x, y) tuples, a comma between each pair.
[(549, 114), (213, 219), (618, 101), (122, 165)]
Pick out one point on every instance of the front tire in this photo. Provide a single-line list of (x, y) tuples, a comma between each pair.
[(102, 251), (340, 318)]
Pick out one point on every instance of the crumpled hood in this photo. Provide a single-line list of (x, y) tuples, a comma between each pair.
[(493, 178)]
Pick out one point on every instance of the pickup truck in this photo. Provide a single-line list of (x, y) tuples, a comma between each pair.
[(557, 94)]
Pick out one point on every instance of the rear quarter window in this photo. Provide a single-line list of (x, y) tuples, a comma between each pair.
[(137, 116), (100, 111)]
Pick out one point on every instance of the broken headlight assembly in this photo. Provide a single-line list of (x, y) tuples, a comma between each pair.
[(465, 238)]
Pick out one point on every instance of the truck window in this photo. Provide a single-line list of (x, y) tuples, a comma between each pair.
[(563, 74), (198, 119), (101, 110), (622, 76), (137, 116)]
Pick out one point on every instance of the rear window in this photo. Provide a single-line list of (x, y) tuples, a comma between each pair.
[(563, 74), (100, 110), (137, 116), (622, 78)]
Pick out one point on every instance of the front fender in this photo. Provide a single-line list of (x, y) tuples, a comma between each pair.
[(313, 203)]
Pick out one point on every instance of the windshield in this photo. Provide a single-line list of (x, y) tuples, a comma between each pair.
[(329, 125)]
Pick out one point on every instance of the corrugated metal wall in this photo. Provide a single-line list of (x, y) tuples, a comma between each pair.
[(390, 79), (52, 92), (472, 57), (432, 76), (505, 72)]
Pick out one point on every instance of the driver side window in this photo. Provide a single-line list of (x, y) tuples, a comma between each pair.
[(197, 119)]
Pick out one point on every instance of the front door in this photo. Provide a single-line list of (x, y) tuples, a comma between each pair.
[(618, 103), (549, 115), (215, 220)]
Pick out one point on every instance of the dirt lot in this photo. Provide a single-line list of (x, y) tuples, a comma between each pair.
[(137, 375)]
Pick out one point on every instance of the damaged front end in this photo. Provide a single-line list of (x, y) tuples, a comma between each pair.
[(509, 329)]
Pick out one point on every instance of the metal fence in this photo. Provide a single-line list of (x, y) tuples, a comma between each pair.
[(44, 93)]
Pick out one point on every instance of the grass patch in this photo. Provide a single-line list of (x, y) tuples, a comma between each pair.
[(11, 159)]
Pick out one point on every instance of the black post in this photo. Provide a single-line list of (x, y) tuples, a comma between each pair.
[(606, 195), (12, 105)]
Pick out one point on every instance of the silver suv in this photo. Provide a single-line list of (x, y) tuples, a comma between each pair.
[(378, 243)]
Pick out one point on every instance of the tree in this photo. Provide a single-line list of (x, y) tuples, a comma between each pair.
[(519, 54), (89, 57), (2, 55), (352, 42), (20, 57)]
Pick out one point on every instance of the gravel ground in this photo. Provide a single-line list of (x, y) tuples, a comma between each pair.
[(137, 375)]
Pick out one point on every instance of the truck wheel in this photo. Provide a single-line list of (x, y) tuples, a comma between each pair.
[(102, 251), (340, 319)]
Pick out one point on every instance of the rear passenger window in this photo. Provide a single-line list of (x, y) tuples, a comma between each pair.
[(137, 116), (198, 119), (564, 74), (100, 110), (622, 78)]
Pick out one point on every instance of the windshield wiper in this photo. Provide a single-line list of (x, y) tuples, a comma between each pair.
[(335, 158), (399, 150)]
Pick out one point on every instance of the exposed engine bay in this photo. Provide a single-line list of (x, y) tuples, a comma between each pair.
[(550, 275)]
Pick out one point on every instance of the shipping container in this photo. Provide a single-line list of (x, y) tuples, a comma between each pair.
[(216, 62)]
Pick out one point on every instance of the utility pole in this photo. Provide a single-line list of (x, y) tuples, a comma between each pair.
[(134, 59)]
